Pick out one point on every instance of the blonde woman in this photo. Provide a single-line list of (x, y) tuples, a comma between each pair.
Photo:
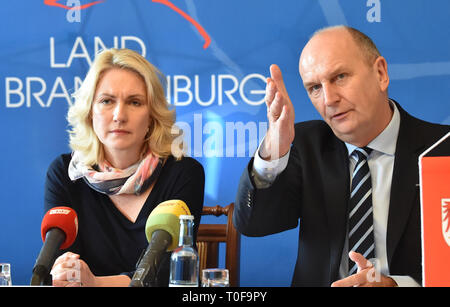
[(122, 166)]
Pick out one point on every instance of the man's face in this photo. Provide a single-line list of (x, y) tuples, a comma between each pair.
[(347, 90)]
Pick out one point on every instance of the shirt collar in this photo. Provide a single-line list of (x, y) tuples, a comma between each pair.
[(386, 141)]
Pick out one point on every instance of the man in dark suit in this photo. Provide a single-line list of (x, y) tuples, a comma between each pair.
[(304, 172)]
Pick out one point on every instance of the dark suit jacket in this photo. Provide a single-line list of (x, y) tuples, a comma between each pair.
[(314, 188)]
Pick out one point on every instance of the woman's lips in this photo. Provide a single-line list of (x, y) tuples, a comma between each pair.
[(119, 131)]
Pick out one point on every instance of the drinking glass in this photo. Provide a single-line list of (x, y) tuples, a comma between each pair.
[(215, 278), (5, 274)]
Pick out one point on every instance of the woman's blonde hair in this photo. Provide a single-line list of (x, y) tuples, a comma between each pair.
[(159, 138)]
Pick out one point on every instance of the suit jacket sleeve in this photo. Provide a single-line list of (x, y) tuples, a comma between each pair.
[(260, 212)]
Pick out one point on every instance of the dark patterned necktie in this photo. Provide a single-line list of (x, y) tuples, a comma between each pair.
[(361, 238)]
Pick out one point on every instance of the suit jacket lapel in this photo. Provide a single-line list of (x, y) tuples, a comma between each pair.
[(336, 182), (404, 186)]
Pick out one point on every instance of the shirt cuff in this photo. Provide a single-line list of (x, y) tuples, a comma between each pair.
[(404, 281), (265, 172)]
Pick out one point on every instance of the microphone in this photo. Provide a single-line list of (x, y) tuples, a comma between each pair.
[(59, 229), (162, 231)]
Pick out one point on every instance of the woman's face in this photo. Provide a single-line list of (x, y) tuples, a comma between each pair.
[(120, 112)]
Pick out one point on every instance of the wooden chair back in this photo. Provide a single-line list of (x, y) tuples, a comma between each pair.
[(210, 235)]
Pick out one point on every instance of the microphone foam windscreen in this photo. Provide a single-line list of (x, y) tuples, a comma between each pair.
[(64, 218), (166, 217)]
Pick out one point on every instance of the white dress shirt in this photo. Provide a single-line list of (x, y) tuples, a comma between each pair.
[(381, 165)]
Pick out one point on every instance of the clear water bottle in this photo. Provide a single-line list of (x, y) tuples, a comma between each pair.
[(184, 259)]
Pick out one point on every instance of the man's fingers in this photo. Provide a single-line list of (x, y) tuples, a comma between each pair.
[(354, 280), (277, 106), (280, 115), (276, 96), (360, 260), (277, 77), (270, 92), (360, 278), (367, 275)]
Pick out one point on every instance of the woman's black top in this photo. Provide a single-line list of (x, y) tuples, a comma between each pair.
[(108, 241)]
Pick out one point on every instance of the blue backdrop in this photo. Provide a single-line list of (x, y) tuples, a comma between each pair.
[(215, 55)]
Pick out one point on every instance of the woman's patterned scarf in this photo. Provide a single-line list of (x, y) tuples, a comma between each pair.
[(112, 181)]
